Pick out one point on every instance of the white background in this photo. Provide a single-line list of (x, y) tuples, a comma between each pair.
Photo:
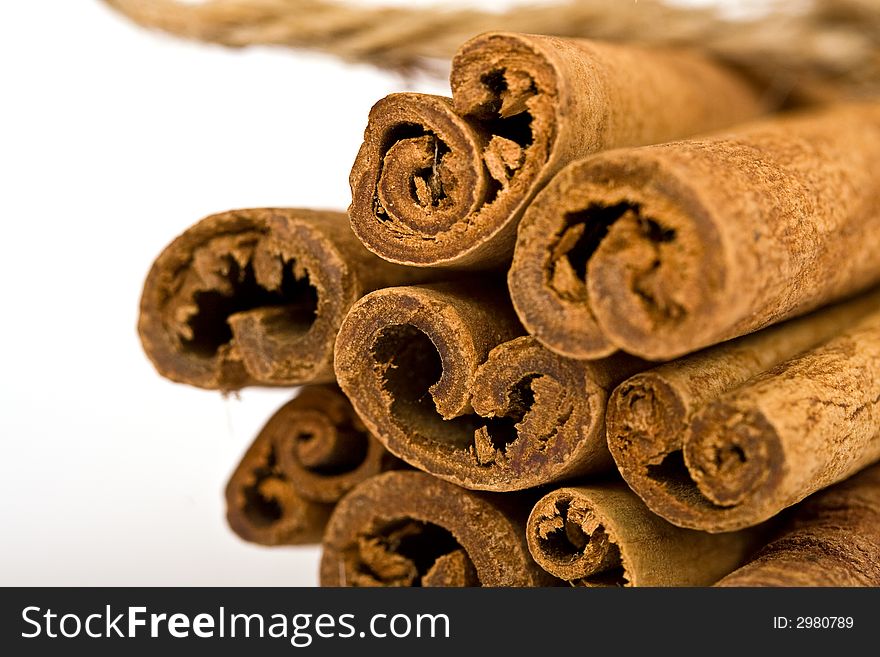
[(112, 141)]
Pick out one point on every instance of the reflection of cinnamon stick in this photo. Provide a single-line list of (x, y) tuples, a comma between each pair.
[(789, 431), (411, 529), (309, 454), (440, 182), (435, 375), (649, 414), (831, 539), (662, 250), (604, 535), (256, 297)]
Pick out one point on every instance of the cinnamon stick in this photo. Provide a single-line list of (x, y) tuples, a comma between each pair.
[(649, 414), (604, 535), (436, 373), (410, 529), (256, 297), (831, 539), (662, 250), (311, 452), (787, 432), (444, 182)]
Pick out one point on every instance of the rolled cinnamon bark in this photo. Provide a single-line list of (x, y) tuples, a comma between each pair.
[(787, 432), (648, 415), (256, 297), (309, 454), (604, 535), (411, 529), (831, 539), (442, 182), (436, 374), (662, 250)]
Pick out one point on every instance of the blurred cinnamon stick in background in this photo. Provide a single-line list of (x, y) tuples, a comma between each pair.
[(311, 452)]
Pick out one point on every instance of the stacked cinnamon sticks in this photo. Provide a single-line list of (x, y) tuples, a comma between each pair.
[(598, 318)]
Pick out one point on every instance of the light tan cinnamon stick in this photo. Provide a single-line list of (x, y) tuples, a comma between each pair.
[(662, 250), (256, 297), (649, 414), (307, 456), (411, 529), (604, 535), (437, 374), (831, 539), (785, 433), (441, 182)]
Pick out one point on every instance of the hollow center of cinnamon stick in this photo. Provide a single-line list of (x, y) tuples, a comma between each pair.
[(427, 185), (510, 92), (673, 476), (242, 292), (647, 431), (330, 451), (411, 366), (573, 534), (324, 450), (411, 369), (501, 431), (261, 506), (506, 116), (413, 152), (583, 231), (408, 552)]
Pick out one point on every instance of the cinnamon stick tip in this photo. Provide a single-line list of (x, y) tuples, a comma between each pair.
[(568, 540), (645, 420), (733, 454)]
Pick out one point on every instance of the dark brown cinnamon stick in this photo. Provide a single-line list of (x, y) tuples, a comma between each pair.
[(662, 250), (831, 539), (256, 297), (649, 414), (438, 376), (785, 433), (411, 529), (604, 535), (442, 182), (309, 454)]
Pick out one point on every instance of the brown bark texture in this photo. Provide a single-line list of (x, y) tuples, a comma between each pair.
[(411, 529), (255, 297), (441, 376), (311, 452), (662, 250), (830, 539), (731, 436), (444, 181), (604, 535), (649, 414)]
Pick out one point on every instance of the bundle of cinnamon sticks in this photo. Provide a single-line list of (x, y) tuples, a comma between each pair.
[(602, 317)]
